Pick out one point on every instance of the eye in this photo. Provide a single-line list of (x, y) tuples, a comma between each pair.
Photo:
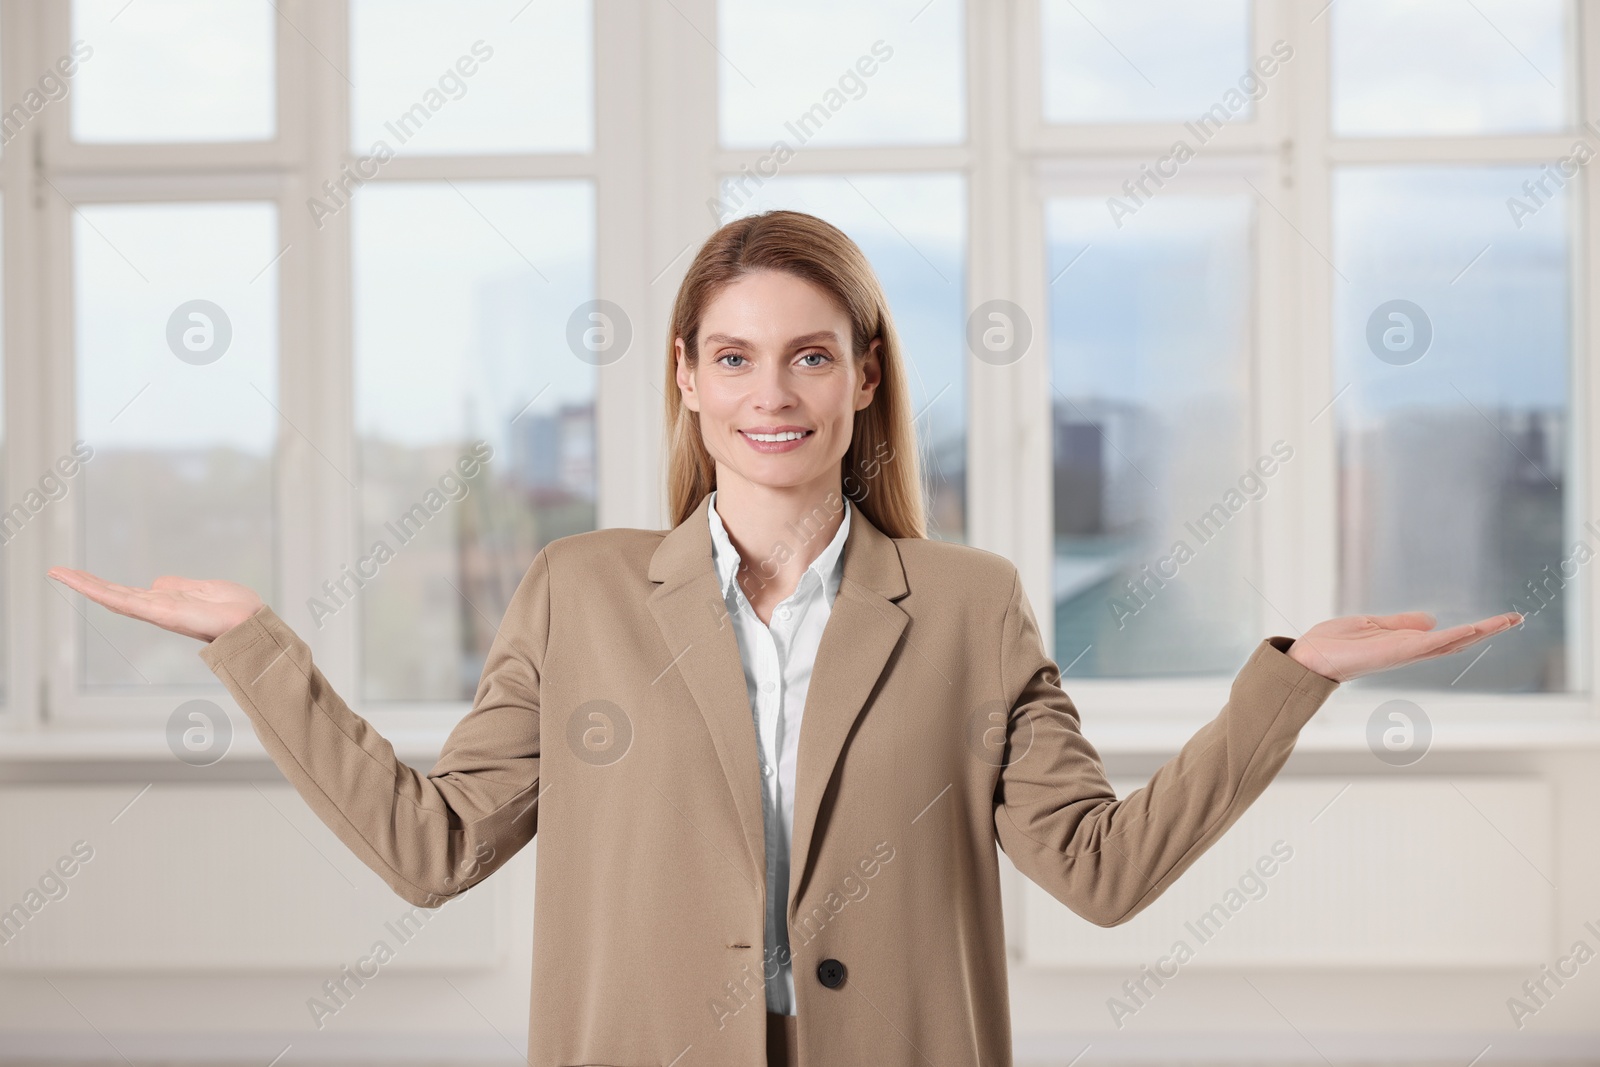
[(729, 355), (823, 355)]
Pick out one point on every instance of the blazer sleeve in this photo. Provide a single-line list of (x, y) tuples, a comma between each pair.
[(429, 836), (1062, 825)]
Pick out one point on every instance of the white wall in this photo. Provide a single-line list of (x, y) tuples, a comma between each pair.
[(211, 913)]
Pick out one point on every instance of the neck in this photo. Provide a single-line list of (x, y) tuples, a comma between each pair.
[(778, 531)]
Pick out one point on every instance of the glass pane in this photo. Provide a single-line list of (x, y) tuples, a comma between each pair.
[(465, 295), (1444, 67), (173, 70), (913, 230), (1153, 61), (1452, 336), (176, 320), (1155, 485), (840, 72), (471, 76)]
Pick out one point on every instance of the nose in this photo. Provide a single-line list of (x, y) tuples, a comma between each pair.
[(774, 387)]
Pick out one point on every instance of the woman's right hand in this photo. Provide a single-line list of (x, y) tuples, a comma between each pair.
[(199, 608)]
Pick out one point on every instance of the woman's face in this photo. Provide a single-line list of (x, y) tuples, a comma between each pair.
[(775, 361)]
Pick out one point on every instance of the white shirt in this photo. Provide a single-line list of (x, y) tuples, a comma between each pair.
[(777, 673)]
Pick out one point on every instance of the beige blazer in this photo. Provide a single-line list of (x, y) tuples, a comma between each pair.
[(612, 717)]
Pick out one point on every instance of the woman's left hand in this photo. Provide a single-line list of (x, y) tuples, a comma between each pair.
[(1353, 645)]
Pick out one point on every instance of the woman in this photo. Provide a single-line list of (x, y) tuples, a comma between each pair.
[(717, 884)]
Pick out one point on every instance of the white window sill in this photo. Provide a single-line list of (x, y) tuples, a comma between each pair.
[(419, 746)]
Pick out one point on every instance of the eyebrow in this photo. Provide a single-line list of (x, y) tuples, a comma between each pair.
[(794, 342)]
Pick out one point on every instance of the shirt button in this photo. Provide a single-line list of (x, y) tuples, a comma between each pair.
[(783, 613), (766, 769), (766, 687)]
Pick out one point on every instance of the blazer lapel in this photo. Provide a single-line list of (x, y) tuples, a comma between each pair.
[(689, 609), (863, 629)]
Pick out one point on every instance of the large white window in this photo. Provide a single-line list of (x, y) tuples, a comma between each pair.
[(1220, 318)]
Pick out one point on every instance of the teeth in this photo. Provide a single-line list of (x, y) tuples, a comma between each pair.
[(788, 435)]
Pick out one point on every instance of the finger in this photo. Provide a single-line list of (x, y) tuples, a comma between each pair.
[(83, 580), (1405, 620), (1467, 641), (122, 588), (68, 577), (118, 598), (79, 580), (1443, 642), (1478, 631), (64, 573)]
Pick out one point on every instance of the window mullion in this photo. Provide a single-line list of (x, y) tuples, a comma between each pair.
[(316, 465), (27, 394), (1301, 551), (632, 68), (1583, 608), (680, 133)]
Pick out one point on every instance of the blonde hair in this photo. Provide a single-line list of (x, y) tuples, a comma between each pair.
[(880, 472)]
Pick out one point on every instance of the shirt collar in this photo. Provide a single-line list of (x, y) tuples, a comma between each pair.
[(828, 566)]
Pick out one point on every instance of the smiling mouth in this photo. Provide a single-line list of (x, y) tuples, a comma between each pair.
[(787, 435)]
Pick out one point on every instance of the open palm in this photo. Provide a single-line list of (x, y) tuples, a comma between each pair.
[(199, 608), (1353, 645)]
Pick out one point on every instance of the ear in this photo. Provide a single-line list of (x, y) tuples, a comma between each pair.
[(685, 377), (871, 374)]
